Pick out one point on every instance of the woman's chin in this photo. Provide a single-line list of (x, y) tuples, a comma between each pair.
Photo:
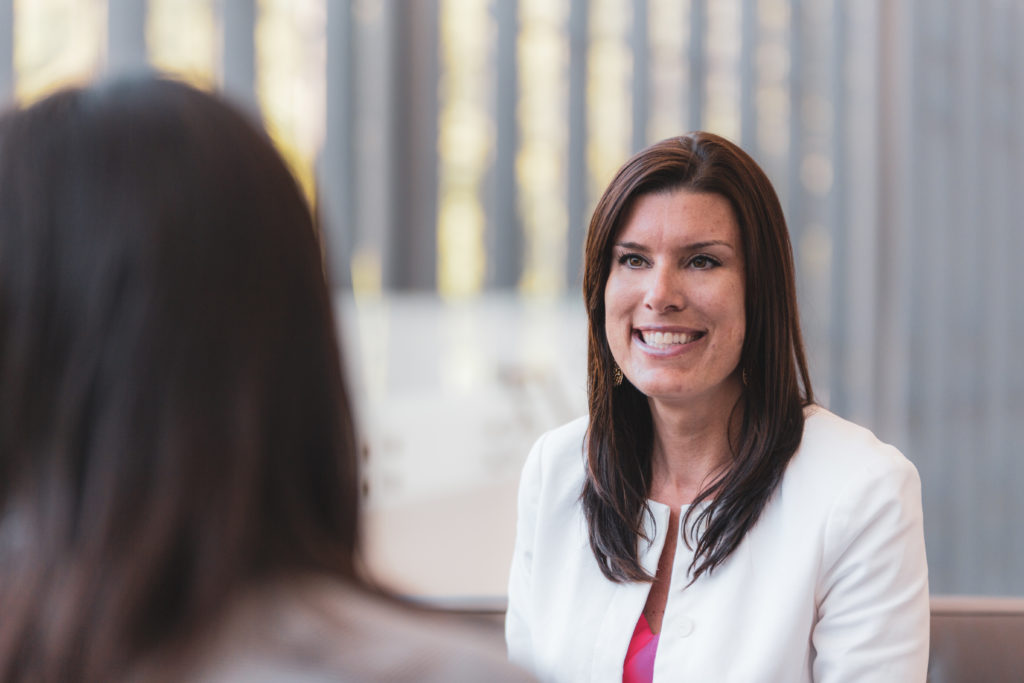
[(683, 391)]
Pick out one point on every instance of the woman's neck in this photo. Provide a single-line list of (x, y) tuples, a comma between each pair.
[(690, 449)]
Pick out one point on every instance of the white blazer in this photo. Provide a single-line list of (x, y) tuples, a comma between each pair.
[(831, 584)]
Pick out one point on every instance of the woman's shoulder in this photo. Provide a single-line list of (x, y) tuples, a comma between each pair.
[(842, 480), (558, 455), (569, 437), (837, 450)]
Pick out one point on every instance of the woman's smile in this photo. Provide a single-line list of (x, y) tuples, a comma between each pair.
[(665, 342)]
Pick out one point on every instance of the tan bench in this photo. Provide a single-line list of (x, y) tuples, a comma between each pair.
[(976, 640), (973, 639)]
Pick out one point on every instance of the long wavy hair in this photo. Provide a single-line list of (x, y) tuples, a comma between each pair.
[(174, 423), (777, 387)]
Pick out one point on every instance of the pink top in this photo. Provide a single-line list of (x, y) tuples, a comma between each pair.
[(639, 664)]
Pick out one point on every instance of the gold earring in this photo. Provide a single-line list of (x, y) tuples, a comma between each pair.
[(617, 376), (746, 380)]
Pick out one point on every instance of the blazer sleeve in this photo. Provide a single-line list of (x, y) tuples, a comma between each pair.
[(873, 607), (518, 617)]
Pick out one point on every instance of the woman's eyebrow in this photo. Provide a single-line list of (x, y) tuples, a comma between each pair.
[(695, 246), (710, 243)]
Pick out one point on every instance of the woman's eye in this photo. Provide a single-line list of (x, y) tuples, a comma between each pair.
[(632, 260), (703, 262)]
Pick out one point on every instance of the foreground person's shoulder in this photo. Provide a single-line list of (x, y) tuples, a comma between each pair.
[(326, 630), (421, 644)]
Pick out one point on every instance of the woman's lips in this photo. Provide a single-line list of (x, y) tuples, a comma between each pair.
[(666, 340)]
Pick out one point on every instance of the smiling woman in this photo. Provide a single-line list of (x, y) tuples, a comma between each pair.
[(736, 530)]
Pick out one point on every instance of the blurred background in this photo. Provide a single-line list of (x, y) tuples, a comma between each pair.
[(455, 149)]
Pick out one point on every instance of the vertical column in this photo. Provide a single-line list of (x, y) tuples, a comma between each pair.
[(962, 299), (126, 35), (6, 51), (794, 192), (336, 197), (641, 75), (238, 65), (999, 350), (374, 116), (896, 145), (577, 162), (856, 254), (932, 192), (969, 229), (697, 60), (748, 77), (837, 214), (1014, 247), (412, 251), (504, 241)]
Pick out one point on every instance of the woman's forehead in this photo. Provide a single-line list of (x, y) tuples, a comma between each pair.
[(679, 218)]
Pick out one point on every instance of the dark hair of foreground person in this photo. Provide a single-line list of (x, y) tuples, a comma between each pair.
[(175, 422)]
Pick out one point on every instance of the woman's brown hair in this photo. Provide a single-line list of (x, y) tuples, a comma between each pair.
[(174, 424), (777, 386)]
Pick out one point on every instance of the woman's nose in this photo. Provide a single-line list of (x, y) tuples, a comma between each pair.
[(664, 290)]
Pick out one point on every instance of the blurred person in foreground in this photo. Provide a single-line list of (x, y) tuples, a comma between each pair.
[(708, 521), (179, 495)]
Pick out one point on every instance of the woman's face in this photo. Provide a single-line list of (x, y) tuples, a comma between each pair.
[(674, 311)]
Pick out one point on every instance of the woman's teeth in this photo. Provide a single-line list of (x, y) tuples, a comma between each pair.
[(666, 338)]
